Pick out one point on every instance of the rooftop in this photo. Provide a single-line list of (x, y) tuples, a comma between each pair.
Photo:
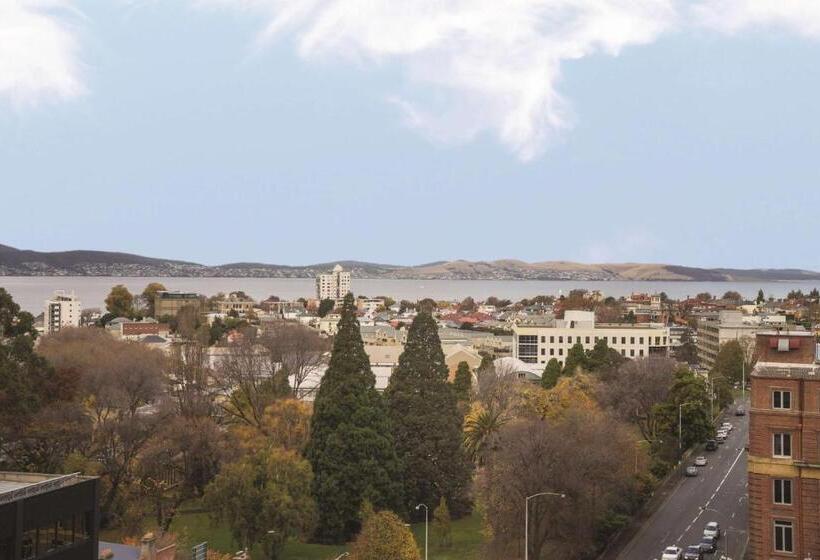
[(16, 486)]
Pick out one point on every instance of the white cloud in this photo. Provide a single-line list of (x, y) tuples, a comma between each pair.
[(493, 65), (732, 16), (38, 52)]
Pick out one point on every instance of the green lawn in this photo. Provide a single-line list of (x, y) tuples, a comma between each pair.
[(196, 527)]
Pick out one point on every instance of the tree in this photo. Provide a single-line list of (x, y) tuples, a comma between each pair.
[(384, 536), (351, 447), (427, 304), (551, 374), (426, 422), (603, 357), (576, 358), (149, 294), (325, 307), (693, 417), (687, 351), (265, 499), (467, 305), (732, 295), (730, 360), (300, 351), (761, 297), (120, 302), (704, 296), (442, 527), (463, 382)]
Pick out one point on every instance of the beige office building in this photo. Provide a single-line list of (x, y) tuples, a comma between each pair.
[(334, 285), (62, 310)]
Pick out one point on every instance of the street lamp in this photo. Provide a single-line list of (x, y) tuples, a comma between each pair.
[(712, 379), (426, 523), (680, 423), (527, 518)]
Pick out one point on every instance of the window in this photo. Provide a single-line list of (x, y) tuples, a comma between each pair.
[(632, 352), (640, 340), (783, 445), (640, 352), (543, 339), (657, 341), (560, 351), (781, 399), (623, 340), (543, 351), (783, 491), (552, 351), (783, 536), (632, 340), (614, 340), (528, 348), (560, 339), (552, 340), (569, 340), (587, 340)]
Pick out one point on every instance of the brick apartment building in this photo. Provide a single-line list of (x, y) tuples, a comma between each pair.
[(784, 448)]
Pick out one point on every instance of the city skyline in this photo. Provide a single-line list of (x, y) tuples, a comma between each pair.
[(305, 129)]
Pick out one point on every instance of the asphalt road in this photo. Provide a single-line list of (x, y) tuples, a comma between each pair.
[(719, 493)]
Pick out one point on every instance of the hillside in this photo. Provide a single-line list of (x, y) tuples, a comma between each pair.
[(16, 262)]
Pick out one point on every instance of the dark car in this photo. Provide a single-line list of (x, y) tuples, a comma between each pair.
[(693, 553), (708, 544), (740, 411), (711, 445)]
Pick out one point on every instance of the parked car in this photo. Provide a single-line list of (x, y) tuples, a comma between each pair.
[(712, 529), (708, 544), (691, 470), (672, 553), (700, 461), (693, 553), (727, 427), (722, 433), (740, 411), (720, 439), (711, 445)]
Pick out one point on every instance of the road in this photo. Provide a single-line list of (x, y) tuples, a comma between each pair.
[(719, 493)]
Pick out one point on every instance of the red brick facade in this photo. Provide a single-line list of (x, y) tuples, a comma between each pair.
[(785, 400)]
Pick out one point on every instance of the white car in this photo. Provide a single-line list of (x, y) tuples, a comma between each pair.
[(727, 426), (712, 529), (722, 433), (672, 553), (700, 461)]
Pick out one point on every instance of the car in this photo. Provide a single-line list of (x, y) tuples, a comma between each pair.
[(740, 411), (722, 433), (712, 529), (727, 426), (708, 544), (700, 461), (691, 470), (672, 553), (711, 445), (720, 439), (693, 553)]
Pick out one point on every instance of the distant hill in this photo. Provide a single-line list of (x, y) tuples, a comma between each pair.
[(16, 262)]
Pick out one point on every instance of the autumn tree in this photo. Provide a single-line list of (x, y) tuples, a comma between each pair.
[(442, 525), (383, 536), (120, 301), (149, 294), (298, 350), (264, 499), (426, 422), (351, 447)]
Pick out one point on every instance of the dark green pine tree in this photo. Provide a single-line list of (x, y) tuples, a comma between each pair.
[(426, 424), (351, 446), (551, 374), (576, 357), (463, 381), (603, 357)]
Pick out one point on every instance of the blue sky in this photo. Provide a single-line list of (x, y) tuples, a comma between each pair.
[(218, 133)]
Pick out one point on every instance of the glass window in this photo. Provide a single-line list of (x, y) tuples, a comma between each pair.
[(543, 351), (561, 339), (569, 340), (543, 339), (560, 351), (552, 339), (587, 340), (632, 340), (640, 340), (640, 352), (781, 399), (528, 348), (783, 536), (614, 340), (552, 351), (783, 491), (632, 352), (783, 445), (623, 340)]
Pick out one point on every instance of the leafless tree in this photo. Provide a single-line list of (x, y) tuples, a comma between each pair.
[(298, 350)]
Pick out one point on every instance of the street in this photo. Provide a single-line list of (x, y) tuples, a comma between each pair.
[(718, 493)]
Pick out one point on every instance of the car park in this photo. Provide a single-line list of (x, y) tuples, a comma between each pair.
[(700, 461), (672, 553), (711, 445), (712, 529), (693, 553), (691, 470), (708, 544)]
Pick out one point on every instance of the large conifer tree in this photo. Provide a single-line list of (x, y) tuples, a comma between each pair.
[(351, 447), (426, 423)]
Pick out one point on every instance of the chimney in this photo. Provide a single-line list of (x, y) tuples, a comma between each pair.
[(148, 547)]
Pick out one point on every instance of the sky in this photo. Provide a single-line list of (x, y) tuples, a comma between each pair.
[(304, 131)]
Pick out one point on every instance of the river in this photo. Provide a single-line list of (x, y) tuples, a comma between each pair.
[(31, 292)]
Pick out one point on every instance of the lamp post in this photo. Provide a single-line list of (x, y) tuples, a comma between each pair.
[(712, 379), (527, 518), (426, 523), (680, 424)]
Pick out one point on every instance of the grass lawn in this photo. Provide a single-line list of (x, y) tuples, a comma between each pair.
[(193, 528)]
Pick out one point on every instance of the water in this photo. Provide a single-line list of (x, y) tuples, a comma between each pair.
[(31, 292)]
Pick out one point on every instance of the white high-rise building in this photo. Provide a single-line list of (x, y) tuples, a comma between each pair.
[(334, 285), (62, 310)]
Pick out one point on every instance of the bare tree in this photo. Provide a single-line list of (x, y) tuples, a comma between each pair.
[(298, 350), (635, 388)]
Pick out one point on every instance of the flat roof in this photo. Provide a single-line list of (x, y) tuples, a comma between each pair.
[(17, 485)]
